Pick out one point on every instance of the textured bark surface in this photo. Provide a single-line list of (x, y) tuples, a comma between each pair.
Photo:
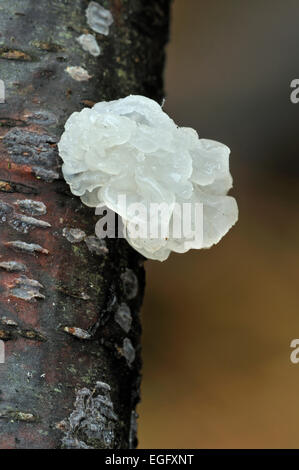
[(58, 299)]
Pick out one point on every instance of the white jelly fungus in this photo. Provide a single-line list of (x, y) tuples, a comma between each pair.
[(130, 147)]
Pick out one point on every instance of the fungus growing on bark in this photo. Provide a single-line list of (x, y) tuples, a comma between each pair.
[(130, 148)]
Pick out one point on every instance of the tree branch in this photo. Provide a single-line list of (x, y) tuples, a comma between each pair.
[(72, 371)]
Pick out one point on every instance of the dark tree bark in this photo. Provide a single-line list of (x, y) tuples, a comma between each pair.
[(72, 373)]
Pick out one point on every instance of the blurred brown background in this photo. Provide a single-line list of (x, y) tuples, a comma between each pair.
[(218, 323)]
